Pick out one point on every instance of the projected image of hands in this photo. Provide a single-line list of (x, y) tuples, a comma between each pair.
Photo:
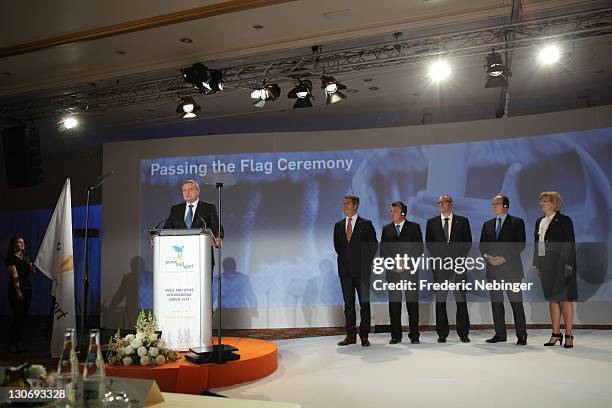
[(279, 222)]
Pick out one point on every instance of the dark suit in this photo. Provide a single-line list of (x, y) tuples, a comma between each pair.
[(560, 251), (409, 241), (458, 246), (354, 269), (509, 244), (204, 211)]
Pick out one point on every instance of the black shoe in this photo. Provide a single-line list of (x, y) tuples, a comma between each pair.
[(415, 341), (395, 340), (496, 339), (571, 337), (555, 337), (347, 340), (522, 341), (464, 339), (441, 339), (365, 342)]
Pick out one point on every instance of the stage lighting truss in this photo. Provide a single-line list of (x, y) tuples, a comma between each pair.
[(265, 94), (188, 108), (524, 35)]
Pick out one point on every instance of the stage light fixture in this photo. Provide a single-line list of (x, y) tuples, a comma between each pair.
[(207, 81), (332, 89), (303, 93), (439, 71), (496, 71), (549, 55), (69, 122), (265, 94), (188, 107)]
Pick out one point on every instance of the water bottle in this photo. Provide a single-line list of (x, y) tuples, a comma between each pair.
[(93, 372), (68, 370)]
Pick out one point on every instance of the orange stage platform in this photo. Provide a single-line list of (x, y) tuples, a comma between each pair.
[(258, 358)]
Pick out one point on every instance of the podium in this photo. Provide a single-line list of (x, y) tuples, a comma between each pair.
[(182, 287)]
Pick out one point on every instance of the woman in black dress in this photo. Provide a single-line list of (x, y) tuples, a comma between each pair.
[(555, 261), (20, 269)]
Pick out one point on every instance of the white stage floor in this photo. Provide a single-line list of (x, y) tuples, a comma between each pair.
[(314, 372)]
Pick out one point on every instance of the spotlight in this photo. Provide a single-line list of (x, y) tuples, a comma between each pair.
[(68, 123), (207, 81), (303, 93), (497, 72), (549, 55), (188, 107), (332, 89), (439, 71), (265, 94)]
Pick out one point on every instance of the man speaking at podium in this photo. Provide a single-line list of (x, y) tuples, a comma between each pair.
[(194, 214)]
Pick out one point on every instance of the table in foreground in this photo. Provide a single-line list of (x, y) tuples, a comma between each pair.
[(188, 400)]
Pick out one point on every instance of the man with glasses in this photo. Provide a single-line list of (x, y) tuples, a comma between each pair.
[(448, 235), (501, 242)]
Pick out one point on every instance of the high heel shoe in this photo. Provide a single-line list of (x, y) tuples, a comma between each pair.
[(555, 337), (571, 337)]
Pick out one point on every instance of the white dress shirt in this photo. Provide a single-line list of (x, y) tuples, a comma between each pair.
[(195, 206), (450, 223), (543, 227), (353, 222)]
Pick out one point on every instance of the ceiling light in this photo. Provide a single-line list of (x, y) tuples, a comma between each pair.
[(439, 71), (264, 94), (207, 81), (303, 93), (549, 54), (497, 72), (188, 107), (68, 122), (332, 89)]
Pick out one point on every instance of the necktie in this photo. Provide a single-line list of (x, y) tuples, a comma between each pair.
[(398, 228), (349, 229), (446, 230), (189, 217), (498, 228)]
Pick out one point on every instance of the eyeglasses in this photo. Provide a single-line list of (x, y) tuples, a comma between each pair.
[(444, 202)]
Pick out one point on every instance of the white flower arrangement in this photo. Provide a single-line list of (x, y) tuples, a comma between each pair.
[(29, 375), (145, 348)]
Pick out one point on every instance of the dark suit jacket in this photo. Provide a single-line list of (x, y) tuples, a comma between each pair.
[(559, 240), (204, 211), (355, 257), (410, 240), (460, 238), (509, 244)]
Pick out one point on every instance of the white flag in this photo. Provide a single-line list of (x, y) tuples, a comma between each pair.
[(55, 260)]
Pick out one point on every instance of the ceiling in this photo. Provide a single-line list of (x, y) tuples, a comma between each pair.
[(97, 50)]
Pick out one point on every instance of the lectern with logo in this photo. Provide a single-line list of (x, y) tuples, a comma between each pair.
[(182, 287)]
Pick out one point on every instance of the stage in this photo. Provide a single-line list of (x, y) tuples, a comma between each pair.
[(314, 372), (258, 358)]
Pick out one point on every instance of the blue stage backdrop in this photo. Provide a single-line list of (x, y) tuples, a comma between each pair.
[(279, 216)]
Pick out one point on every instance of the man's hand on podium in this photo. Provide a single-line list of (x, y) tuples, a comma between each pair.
[(218, 242)]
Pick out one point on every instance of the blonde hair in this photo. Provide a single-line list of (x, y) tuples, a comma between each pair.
[(553, 197)]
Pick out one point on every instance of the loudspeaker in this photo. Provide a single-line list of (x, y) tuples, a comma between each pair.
[(22, 157)]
